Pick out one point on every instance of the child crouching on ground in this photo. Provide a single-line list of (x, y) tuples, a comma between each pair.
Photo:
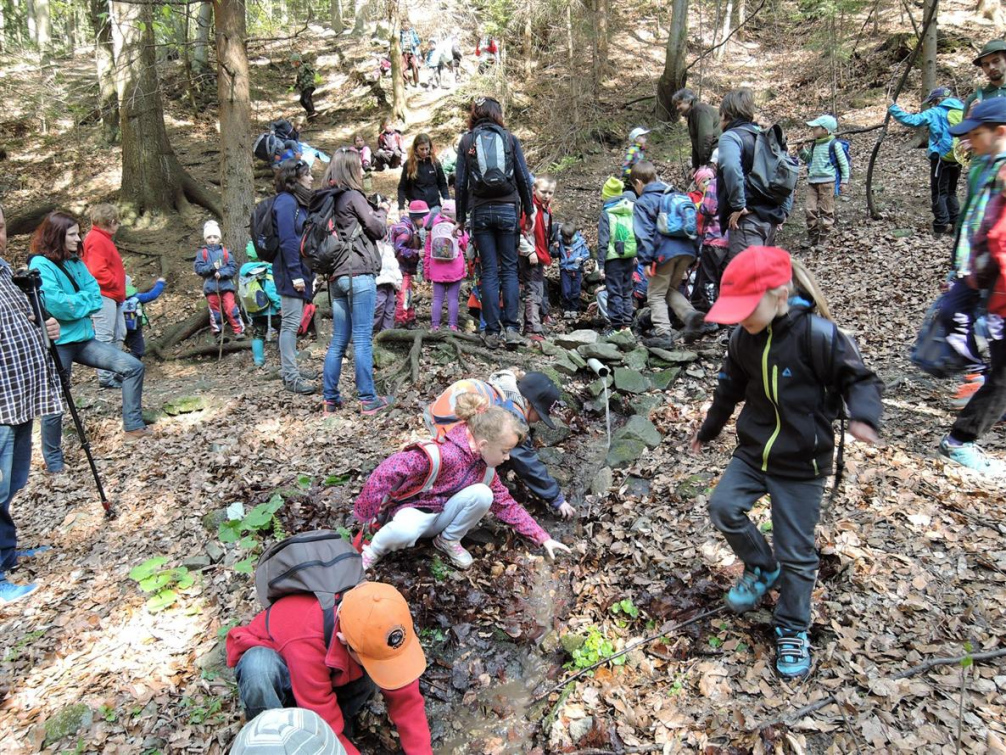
[(781, 344), (389, 280), (573, 253), (401, 495), (217, 267), (444, 264)]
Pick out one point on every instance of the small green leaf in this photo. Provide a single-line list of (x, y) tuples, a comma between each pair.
[(229, 532), (246, 566), (765, 526), (247, 542), (156, 582), (185, 580), (259, 518), (742, 647), (274, 504), (162, 600), (304, 481), (344, 533), (336, 479), (715, 642), (147, 568)]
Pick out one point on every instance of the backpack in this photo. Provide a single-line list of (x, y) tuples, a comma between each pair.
[(321, 562), (285, 130), (677, 217), (321, 247), (263, 230), (833, 157), (953, 155), (132, 313), (443, 242), (774, 173), (267, 146), (206, 255), (932, 353), (406, 250), (621, 237), (251, 290), (491, 162)]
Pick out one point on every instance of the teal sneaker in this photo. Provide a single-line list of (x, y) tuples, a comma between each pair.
[(750, 588), (971, 456), (792, 653), (33, 552), (11, 593)]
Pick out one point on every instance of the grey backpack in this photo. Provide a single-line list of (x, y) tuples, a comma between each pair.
[(321, 562), (774, 172)]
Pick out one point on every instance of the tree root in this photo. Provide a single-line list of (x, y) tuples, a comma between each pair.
[(179, 333), (198, 194), (213, 349)]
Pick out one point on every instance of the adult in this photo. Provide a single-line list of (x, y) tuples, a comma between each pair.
[(530, 397), (992, 61), (749, 219), (353, 283), (410, 44), (71, 295), (703, 126), (423, 177), (495, 196), (105, 264), (29, 388), (294, 281)]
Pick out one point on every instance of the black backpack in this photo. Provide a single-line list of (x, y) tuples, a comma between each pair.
[(267, 146), (321, 562), (774, 173), (285, 130), (263, 230), (321, 247), (491, 161)]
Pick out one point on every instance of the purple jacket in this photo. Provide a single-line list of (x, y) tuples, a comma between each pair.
[(709, 209)]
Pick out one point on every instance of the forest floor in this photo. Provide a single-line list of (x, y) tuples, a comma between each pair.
[(913, 555)]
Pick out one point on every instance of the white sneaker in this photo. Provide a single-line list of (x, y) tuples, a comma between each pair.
[(455, 552)]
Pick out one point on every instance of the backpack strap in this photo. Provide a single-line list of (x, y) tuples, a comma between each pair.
[(206, 254), (432, 450), (73, 281), (821, 334), (487, 478)]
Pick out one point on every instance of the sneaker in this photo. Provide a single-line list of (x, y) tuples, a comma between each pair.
[(369, 559), (307, 374), (609, 331), (513, 339), (536, 337), (659, 342), (299, 385), (379, 404), (133, 435), (967, 389), (971, 456), (792, 653), (492, 340), (750, 588), (11, 593), (456, 552), (33, 552), (328, 408)]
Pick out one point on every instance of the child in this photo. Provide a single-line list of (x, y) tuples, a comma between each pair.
[(713, 256), (534, 257), (389, 280), (260, 300), (408, 236), (400, 496), (573, 252), (786, 444), (132, 313), (616, 253), (444, 264), (390, 147), (215, 265), (366, 157), (307, 80), (634, 153), (821, 177)]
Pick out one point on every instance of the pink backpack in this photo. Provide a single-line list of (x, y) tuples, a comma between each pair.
[(444, 244)]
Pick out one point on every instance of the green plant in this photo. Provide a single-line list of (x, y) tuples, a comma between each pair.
[(596, 647), (222, 631), (14, 650), (108, 713), (247, 531), (562, 164), (162, 584), (202, 710), (336, 479), (430, 635), (625, 607), (439, 569)]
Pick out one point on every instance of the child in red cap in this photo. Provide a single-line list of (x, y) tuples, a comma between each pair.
[(791, 368)]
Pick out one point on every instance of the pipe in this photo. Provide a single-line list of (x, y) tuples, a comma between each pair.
[(600, 369)]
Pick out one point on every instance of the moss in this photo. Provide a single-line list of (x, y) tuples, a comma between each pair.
[(66, 722)]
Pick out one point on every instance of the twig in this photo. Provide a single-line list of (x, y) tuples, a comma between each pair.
[(960, 709), (727, 37), (638, 99), (845, 133)]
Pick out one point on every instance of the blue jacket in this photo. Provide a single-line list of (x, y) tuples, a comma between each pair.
[(940, 140), (71, 306), (604, 226), (215, 259), (132, 308), (289, 265), (573, 256), (651, 245)]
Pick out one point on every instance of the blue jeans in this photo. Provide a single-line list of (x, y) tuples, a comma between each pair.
[(15, 458), (570, 281), (494, 228), (102, 356), (352, 315)]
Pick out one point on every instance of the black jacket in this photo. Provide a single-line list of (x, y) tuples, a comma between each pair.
[(533, 473), (351, 210), (429, 185), (785, 427)]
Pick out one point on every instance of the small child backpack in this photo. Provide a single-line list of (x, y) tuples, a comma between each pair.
[(443, 242), (132, 313), (678, 217), (621, 237), (846, 147), (251, 290)]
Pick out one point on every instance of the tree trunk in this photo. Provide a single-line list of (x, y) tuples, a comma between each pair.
[(104, 57), (528, 38), (336, 10), (601, 30), (152, 178), (726, 28), (675, 74), (29, 13), (399, 111), (201, 44), (361, 12), (740, 14), (929, 53), (43, 25)]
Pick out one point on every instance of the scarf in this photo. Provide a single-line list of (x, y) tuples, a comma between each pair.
[(302, 194)]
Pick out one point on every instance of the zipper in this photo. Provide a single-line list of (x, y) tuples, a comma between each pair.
[(772, 394)]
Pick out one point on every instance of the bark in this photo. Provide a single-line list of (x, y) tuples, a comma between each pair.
[(27, 219), (929, 53), (43, 25), (398, 106), (527, 38), (152, 178), (726, 28), (104, 57), (675, 73), (336, 13), (361, 12), (29, 13), (201, 44), (601, 33), (235, 123)]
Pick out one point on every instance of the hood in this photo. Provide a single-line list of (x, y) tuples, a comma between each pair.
[(622, 207), (657, 187), (952, 103)]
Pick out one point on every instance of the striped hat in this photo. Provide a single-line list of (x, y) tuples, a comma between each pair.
[(287, 731)]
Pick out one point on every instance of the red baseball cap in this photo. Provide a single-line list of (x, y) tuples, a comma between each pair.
[(748, 276)]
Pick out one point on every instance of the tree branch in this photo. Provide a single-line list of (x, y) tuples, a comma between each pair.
[(727, 37)]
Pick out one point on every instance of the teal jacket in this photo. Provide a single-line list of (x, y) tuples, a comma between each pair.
[(820, 169), (71, 306), (937, 118)]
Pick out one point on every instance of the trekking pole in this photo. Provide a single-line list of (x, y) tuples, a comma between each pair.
[(30, 281), (220, 304)]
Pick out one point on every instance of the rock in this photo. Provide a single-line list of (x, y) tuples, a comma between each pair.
[(694, 485), (185, 405), (385, 358), (602, 481), (624, 341), (576, 338), (68, 720), (637, 486), (549, 349), (196, 562), (215, 661), (552, 436), (550, 456), (606, 352), (215, 551), (631, 381), (639, 429), (643, 405), (695, 371), (673, 357), (660, 380), (213, 520), (565, 365), (562, 382), (576, 359), (623, 452), (597, 387), (637, 358), (572, 641), (580, 727)]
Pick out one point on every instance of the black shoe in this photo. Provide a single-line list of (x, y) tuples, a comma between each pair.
[(492, 340), (514, 339), (659, 342), (695, 327)]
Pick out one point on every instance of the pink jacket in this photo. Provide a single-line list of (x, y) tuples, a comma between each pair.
[(460, 468), (443, 271)]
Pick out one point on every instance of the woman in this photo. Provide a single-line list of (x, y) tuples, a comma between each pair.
[(423, 177), (71, 295), (495, 197), (294, 282), (353, 284)]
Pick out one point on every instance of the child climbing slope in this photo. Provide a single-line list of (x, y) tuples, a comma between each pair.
[(789, 367)]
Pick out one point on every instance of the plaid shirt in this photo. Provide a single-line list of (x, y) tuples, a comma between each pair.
[(28, 387)]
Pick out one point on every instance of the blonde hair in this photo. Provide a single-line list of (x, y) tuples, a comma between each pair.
[(487, 422), (544, 180), (104, 214), (805, 283)]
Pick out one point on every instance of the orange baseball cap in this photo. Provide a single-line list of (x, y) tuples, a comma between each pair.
[(375, 620)]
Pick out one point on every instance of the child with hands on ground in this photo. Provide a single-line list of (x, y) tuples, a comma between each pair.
[(444, 491), (789, 367)]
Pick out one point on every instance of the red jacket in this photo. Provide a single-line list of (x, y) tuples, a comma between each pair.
[(542, 232), (296, 632), (105, 264)]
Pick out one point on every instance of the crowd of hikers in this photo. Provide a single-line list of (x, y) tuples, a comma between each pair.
[(697, 260)]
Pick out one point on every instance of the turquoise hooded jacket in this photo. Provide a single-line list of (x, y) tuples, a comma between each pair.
[(940, 140), (71, 305)]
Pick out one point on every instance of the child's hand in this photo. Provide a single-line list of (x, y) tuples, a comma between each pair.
[(551, 546), (566, 511), (843, 188), (216, 275), (532, 259), (161, 280), (863, 432), (695, 445)]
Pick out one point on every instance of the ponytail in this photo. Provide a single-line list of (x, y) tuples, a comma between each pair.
[(806, 284), (487, 422)]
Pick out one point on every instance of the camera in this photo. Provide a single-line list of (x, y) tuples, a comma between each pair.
[(377, 200), (29, 281)]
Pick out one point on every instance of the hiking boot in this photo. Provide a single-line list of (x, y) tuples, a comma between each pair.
[(33, 552), (942, 230), (792, 653), (750, 588), (379, 404), (659, 342), (328, 408), (492, 340), (514, 339), (133, 435), (11, 593), (456, 552), (971, 456), (696, 327), (299, 385), (369, 559), (307, 374), (967, 389)]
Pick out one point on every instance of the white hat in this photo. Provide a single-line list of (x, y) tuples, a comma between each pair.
[(211, 228), (637, 132), (280, 731)]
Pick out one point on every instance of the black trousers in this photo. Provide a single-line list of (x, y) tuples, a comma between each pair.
[(987, 406), (943, 178), (307, 100)]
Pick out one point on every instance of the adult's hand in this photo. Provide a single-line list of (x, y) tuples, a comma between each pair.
[(735, 218), (551, 546), (863, 432), (694, 444), (52, 328)]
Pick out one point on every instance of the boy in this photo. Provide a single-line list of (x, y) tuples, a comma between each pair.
[(307, 79), (216, 266), (616, 253), (535, 257), (820, 206), (573, 252), (635, 152), (132, 313), (104, 262)]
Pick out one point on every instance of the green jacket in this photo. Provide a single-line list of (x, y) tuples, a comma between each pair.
[(703, 131), (306, 76), (985, 93), (71, 306), (818, 158)]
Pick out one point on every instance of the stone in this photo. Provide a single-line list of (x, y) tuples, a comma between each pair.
[(637, 486), (552, 436), (572, 641), (631, 381), (643, 405), (196, 562), (576, 359), (639, 429), (576, 338), (623, 340), (385, 358), (560, 380), (565, 365), (215, 551), (213, 520), (550, 456), (605, 352), (623, 452), (549, 349), (68, 720), (214, 662), (637, 359), (597, 387), (602, 481), (185, 405), (673, 357), (695, 371), (580, 727), (660, 380)]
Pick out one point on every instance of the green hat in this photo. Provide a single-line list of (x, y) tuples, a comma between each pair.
[(612, 188), (996, 45)]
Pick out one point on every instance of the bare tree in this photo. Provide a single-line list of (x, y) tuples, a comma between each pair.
[(675, 73), (200, 46), (399, 111), (929, 52), (104, 58), (336, 14)]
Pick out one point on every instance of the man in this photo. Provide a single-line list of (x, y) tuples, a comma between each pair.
[(29, 388), (992, 61), (281, 662), (703, 126), (530, 399)]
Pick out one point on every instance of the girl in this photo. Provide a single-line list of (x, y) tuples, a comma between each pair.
[(408, 236), (789, 367), (218, 269), (445, 272), (389, 146), (366, 157), (712, 258), (459, 494), (423, 177)]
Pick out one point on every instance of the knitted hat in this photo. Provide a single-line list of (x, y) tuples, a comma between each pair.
[(211, 228), (280, 731), (449, 209), (705, 173), (418, 208), (612, 188)]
